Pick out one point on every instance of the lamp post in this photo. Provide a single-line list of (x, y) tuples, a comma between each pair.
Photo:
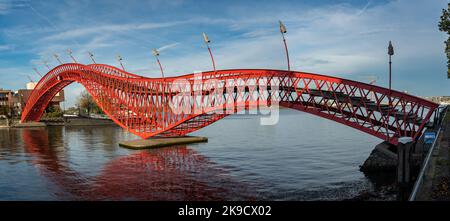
[(36, 70), (207, 41), (156, 54), (71, 56), (283, 31), (390, 53), (57, 58), (119, 59), (46, 64), (92, 57)]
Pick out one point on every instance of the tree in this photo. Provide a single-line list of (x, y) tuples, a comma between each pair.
[(71, 110), (444, 26), (85, 101), (4, 110), (53, 112)]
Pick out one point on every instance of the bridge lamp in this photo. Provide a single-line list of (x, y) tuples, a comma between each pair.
[(283, 31), (36, 70), (205, 38), (71, 56), (390, 53), (91, 56), (156, 54), (282, 28), (29, 78), (46, 64), (119, 59), (207, 41), (57, 58)]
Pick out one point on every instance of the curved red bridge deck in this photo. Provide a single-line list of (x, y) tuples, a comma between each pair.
[(151, 106)]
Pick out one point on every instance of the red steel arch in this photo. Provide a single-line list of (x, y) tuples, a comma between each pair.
[(143, 105)]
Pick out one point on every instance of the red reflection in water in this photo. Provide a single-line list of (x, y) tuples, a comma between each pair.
[(175, 173)]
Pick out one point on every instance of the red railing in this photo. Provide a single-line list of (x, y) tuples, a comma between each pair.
[(145, 106)]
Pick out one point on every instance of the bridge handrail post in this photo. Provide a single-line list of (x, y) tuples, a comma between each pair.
[(404, 148)]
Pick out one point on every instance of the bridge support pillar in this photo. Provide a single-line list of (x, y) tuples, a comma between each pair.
[(161, 142), (404, 147)]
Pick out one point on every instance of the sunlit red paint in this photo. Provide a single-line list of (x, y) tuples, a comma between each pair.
[(142, 105)]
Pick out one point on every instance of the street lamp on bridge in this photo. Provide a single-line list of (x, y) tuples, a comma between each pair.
[(36, 70), (71, 56), (156, 54), (46, 64), (284, 31), (57, 58), (92, 57), (119, 59), (390, 53), (207, 41)]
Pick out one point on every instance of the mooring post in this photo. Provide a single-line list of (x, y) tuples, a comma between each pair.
[(404, 148)]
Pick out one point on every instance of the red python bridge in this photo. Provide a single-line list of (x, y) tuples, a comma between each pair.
[(176, 106)]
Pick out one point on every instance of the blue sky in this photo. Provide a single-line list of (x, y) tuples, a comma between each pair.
[(339, 38)]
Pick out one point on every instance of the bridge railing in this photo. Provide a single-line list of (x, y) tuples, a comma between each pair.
[(142, 104), (424, 175)]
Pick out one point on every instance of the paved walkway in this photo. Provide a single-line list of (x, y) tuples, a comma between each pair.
[(441, 179), (435, 185)]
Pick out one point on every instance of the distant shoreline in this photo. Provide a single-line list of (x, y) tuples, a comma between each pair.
[(66, 121)]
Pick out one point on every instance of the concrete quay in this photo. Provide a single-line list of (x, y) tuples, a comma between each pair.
[(28, 124), (74, 121), (422, 169), (434, 185)]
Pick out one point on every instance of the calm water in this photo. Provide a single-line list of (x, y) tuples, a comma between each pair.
[(303, 157)]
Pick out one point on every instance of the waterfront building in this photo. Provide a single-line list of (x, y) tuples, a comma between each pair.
[(6, 101), (12, 103), (24, 94)]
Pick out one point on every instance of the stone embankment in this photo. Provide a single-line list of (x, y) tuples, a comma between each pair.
[(382, 158), (72, 121)]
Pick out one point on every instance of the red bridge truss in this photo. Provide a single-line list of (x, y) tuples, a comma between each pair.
[(176, 106)]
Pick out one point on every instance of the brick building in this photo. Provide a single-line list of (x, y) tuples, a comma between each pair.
[(6, 101), (13, 103)]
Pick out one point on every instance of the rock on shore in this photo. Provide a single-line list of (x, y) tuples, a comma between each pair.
[(382, 158)]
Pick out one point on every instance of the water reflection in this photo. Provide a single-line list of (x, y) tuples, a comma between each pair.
[(175, 173), (300, 158)]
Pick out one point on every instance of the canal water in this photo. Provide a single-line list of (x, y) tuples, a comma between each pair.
[(303, 157)]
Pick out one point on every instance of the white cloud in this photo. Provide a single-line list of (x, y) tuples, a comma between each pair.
[(114, 28), (169, 46), (5, 7), (340, 40), (6, 47)]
